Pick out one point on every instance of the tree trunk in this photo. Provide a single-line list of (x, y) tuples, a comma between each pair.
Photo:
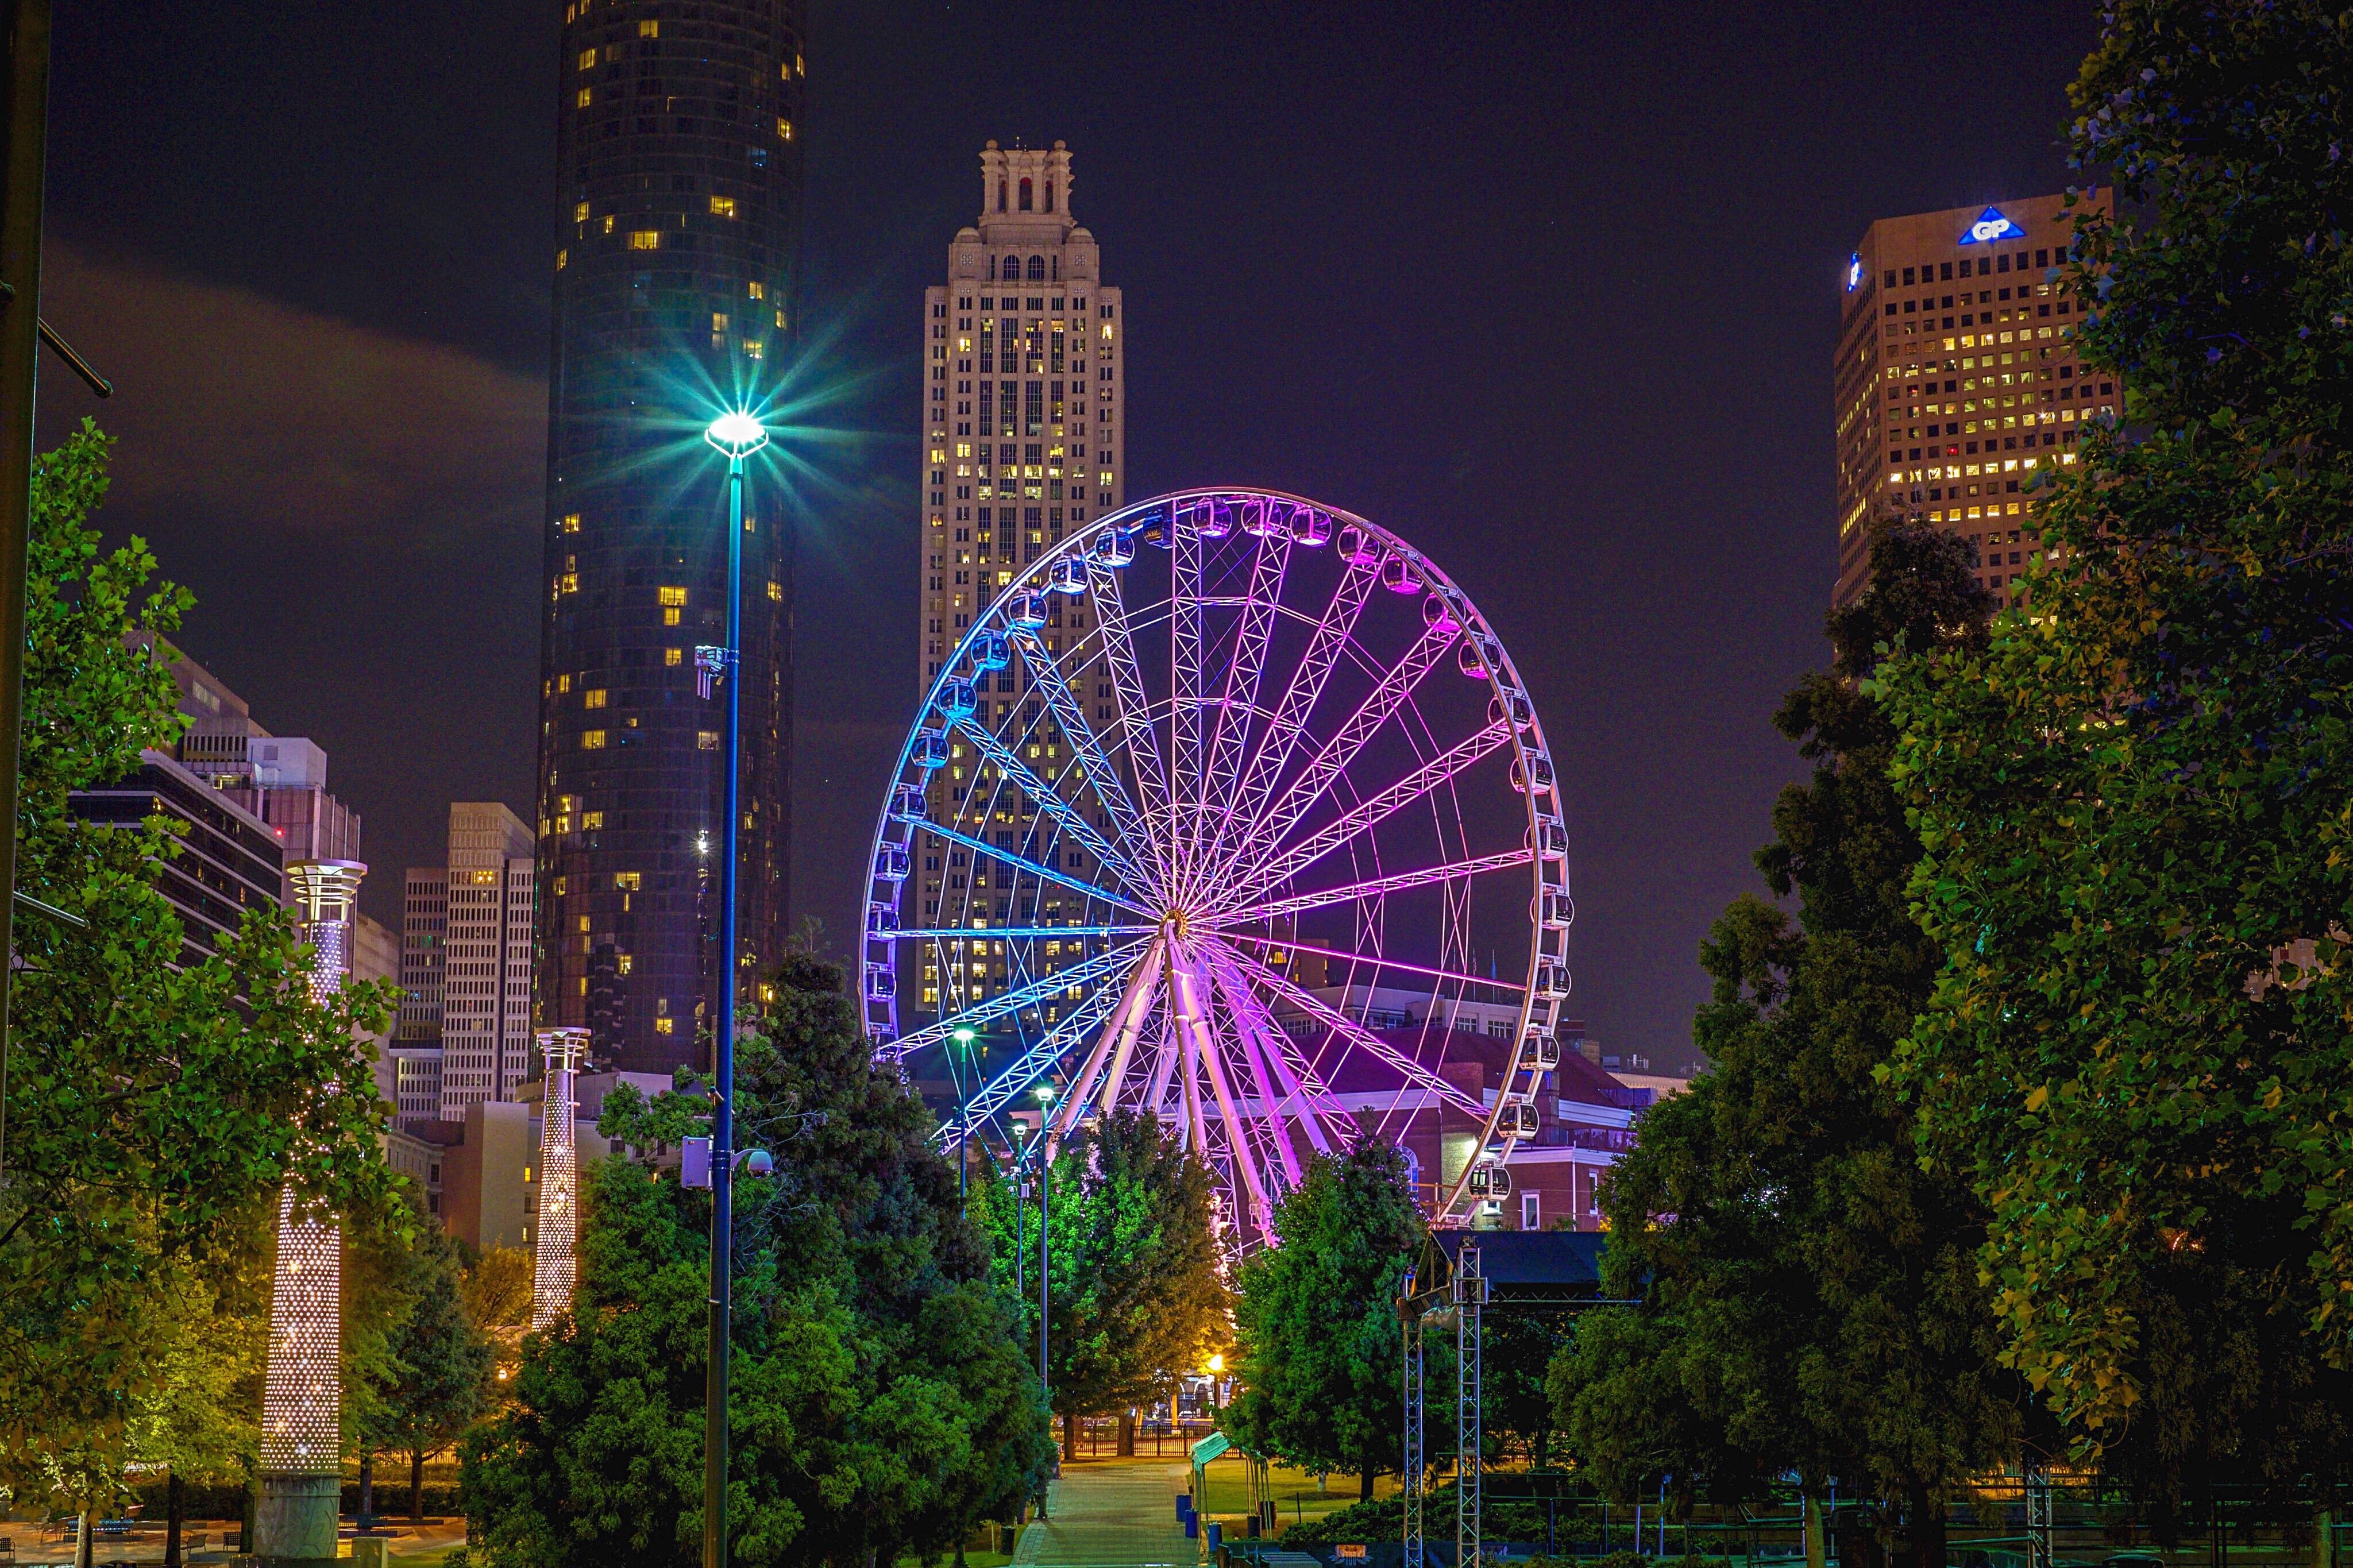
[(83, 1543), (416, 1486), (367, 1489), (1127, 1435), (2324, 1526), (175, 1513), (1365, 1483), (1928, 1527), (1070, 1435), (1817, 1553)]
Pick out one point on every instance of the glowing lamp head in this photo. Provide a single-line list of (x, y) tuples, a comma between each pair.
[(737, 433), (964, 1039), (1216, 1364), (1045, 1094)]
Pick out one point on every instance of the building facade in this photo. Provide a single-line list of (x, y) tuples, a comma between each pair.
[(1023, 434), (1956, 377), (675, 254), (486, 970)]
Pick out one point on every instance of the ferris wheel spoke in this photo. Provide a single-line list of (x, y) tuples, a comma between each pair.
[(1186, 978), (1374, 961), (1046, 679), (1107, 1063), (1302, 691), (1113, 960), (1271, 827), (980, 846), (1362, 1038), (1049, 800), (1369, 815), (1327, 1122), (1352, 891), (1017, 1076), (1185, 676), (1009, 933), (1230, 734), (1137, 742)]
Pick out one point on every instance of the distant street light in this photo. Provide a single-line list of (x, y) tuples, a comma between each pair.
[(738, 435), (963, 1038), (1045, 1210)]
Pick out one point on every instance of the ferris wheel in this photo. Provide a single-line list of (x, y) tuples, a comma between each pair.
[(1228, 808)]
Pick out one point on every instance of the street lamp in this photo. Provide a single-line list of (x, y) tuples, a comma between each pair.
[(1045, 1169), (739, 435), (963, 1038)]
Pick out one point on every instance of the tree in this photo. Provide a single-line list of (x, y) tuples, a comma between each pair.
[(1135, 1297), (882, 1407), (2135, 803), (1808, 1294), (433, 1376), (496, 1287), (1319, 1352), (152, 1110)]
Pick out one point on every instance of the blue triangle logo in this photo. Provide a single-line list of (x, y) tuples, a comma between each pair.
[(1991, 226)]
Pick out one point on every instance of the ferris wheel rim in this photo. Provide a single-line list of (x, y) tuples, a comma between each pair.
[(1524, 738)]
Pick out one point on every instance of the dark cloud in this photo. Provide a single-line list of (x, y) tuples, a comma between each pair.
[(357, 514)]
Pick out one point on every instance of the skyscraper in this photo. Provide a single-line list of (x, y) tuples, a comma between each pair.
[(676, 251), (466, 951), (1023, 427), (1956, 377)]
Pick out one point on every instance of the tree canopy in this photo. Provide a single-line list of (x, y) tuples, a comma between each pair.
[(154, 1111), (1808, 1296), (2136, 802), (880, 1404), (1319, 1348)]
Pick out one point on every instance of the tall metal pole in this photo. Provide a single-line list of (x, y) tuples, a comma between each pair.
[(26, 155), (1045, 1211), (722, 1121)]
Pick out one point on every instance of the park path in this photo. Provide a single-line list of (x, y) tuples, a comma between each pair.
[(1116, 1514)]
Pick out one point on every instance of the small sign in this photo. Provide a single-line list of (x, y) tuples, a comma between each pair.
[(1352, 1550)]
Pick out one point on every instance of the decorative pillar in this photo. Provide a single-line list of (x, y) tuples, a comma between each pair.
[(301, 1399), (555, 1266)]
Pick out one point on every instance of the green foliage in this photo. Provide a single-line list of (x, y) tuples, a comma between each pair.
[(1808, 1294), (151, 1111), (1135, 1296), (496, 1287), (430, 1371), (1320, 1350), (881, 1405), (2137, 804)]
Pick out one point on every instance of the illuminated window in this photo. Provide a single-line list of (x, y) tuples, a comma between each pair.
[(645, 240), (588, 59), (753, 348), (621, 962), (649, 29), (609, 223), (722, 206), (580, 212), (665, 1025), (571, 522), (775, 591), (595, 698), (560, 883), (561, 258), (562, 683), (758, 290), (673, 656), (628, 881), (784, 129), (706, 740), (591, 820), (585, 98), (592, 740)]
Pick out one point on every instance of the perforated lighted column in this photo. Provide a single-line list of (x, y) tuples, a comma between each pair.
[(301, 1407), (554, 1267)]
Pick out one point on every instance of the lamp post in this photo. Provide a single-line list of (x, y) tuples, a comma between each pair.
[(1045, 1208), (739, 435), (962, 1041)]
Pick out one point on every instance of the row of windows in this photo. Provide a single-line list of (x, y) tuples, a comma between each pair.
[(1983, 265)]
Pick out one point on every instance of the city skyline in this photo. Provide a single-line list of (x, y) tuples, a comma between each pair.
[(1462, 310)]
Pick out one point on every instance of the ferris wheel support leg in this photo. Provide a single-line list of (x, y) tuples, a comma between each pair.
[(1186, 978), (1132, 1026), (1124, 1021)]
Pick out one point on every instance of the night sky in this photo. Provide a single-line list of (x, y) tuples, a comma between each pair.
[(1550, 289)]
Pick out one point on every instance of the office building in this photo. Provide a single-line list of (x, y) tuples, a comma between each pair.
[(484, 916), (1956, 377), (1023, 429), (674, 255)]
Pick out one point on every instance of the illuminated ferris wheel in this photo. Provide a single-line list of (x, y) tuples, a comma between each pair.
[(1231, 808)]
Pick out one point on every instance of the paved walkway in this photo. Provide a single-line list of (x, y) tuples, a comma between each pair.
[(1114, 1513)]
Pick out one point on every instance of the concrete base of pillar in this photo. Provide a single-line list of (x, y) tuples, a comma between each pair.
[(294, 1521)]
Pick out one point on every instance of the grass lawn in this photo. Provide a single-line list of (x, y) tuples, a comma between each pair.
[(1225, 1484)]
